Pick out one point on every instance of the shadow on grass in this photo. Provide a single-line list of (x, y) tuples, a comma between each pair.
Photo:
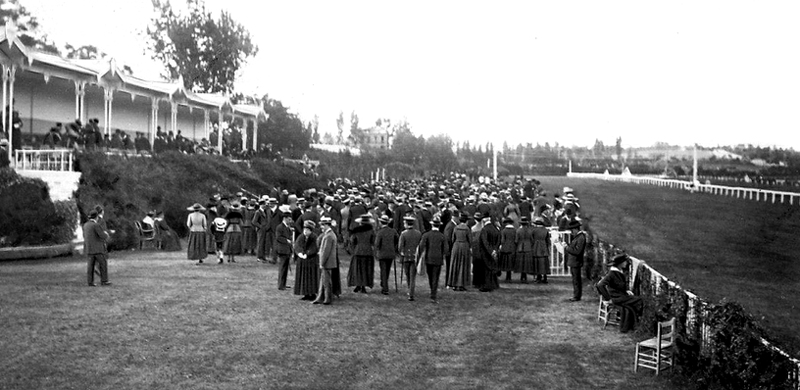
[(166, 323)]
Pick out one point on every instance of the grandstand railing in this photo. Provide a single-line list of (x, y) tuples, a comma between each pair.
[(558, 259), (695, 313), (757, 194), (44, 160)]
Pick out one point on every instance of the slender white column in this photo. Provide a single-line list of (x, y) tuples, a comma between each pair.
[(219, 131), (5, 94), (206, 126), (9, 115), (173, 118), (153, 121)]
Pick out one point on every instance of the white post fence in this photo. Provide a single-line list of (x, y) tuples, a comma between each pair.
[(738, 192)]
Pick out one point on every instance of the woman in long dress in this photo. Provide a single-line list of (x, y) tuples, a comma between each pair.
[(198, 227), (508, 245), (525, 261), (232, 245), (478, 265), (541, 250), (460, 256), (362, 266), (307, 258)]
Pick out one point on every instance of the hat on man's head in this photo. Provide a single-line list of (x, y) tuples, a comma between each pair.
[(574, 224), (436, 221), (93, 214), (463, 218), (478, 216), (409, 220), (286, 214), (384, 219), (524, 220), (619, 259), (196, 207), (309, 224), (324, 220), (365, 219)]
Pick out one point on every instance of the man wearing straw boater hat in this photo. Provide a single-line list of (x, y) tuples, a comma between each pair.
[(407, 247), (327, 261)]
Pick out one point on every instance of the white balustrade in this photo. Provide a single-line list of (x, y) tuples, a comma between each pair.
[(44, 160)]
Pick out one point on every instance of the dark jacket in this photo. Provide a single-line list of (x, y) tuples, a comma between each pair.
[(508, 239), (409, 241), (434, 245), (95, 238), (615, 284), (574, 251), (363, 240), (327, 250), (386, 241), (283, 240)]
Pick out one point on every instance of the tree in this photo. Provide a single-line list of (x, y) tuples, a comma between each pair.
[(327, 139), (205, 51), (406, 147), (340, 126), (28, 29), (283, 130), (438, 154), (619, 148)]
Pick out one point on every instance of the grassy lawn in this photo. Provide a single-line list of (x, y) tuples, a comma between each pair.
[(716, 246), (166, 323)]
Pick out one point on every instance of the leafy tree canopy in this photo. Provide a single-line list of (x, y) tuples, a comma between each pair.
[(207, 52)]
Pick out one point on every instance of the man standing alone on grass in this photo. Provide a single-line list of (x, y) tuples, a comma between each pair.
[(574, 253), (95, 238)]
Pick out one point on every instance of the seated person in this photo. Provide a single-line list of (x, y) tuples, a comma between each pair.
[(616, 284), (148, 224), (167, 238)]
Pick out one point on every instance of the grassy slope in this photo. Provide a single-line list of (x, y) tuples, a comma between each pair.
[(168, 324), (715, 246)]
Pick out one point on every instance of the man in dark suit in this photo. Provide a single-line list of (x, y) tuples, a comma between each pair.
[(95, 239), (327, 261), (434, 245), (283, 248), (275, 218), (261, 222), (574, 253), (386, 241)]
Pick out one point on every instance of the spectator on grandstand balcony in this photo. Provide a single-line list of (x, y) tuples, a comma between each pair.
[(171, 145), (4, 153), (53, 137), (88, 136), (180, 142), (160, 143), (116, 140), (127, 142), (71, 137)]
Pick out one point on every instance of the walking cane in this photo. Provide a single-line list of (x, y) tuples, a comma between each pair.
[(394, 265)]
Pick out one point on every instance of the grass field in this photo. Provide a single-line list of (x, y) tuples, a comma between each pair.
[(718, 247), (165, 323)]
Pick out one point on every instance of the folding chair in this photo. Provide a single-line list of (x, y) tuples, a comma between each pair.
[(657, 353)]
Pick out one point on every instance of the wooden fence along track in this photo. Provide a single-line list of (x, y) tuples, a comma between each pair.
[(757, 194)]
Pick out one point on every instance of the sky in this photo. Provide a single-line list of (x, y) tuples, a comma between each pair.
[(681, 72)]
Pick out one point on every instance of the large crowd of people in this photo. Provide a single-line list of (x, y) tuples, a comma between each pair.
[(470, 231)]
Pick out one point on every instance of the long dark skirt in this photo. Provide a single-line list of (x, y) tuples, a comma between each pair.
[(232, 244), (196, 249), (248, 239), (478, 271), (306, 276), (211, 243), (361, 272), (459, 266), (336, 284), (505, 262), (525, 263), (490, 281), (541, 265)]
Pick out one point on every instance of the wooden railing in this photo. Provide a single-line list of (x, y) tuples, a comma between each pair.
[(44, 160)]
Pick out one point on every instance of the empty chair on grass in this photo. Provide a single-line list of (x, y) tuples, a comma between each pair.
[(657, 353)]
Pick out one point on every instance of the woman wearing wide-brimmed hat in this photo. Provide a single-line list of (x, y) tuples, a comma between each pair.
[(198, 227), (232, 245), (362, 266), (307, 257)]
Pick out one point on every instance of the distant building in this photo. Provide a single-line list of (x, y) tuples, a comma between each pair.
[(377, 138)]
